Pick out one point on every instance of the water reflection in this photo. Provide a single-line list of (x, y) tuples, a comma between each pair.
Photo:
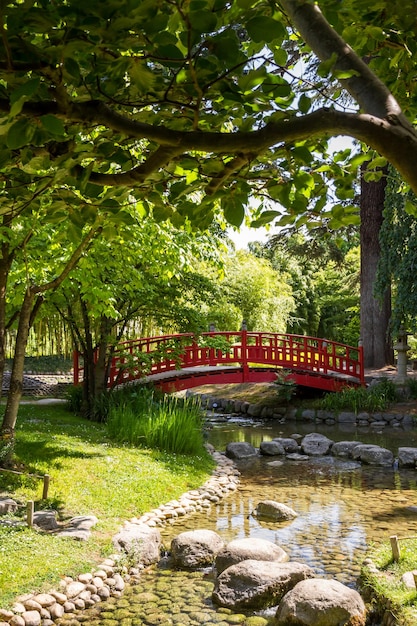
[(342, 507)]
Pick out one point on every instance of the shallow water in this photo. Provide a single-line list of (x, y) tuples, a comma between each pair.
[(342, 508)]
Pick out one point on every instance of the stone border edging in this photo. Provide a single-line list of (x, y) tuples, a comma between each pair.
[(258, 410), (106, 580)]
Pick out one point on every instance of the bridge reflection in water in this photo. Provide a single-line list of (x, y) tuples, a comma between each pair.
[(182, 361)]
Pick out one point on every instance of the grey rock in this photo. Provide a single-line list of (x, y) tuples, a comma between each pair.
[(272, 510), (7, 505), (344, 448), (409, 580), (321, 602), (294, 456), (271, 448), (240, 450), (315, 444), (288, 443), (249, 548), (257, 584), (347, 417), (140, 541), (196, 548), (46, 520), (407, 457), (372, 455), (254, 410), (308, 414)]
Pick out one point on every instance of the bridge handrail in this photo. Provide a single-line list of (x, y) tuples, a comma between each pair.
[(137, 358)]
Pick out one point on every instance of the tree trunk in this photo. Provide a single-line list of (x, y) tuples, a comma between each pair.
[(5, 263), (375, 314), (16, 380)]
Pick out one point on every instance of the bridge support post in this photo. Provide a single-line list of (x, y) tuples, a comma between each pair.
[(244, 352)]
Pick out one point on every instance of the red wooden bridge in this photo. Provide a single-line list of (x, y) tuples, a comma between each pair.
[(175, 362)]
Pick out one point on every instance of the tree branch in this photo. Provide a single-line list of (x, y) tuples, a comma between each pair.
[(364, 86), (72, 262)]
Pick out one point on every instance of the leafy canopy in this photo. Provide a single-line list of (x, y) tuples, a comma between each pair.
[(185, 107)]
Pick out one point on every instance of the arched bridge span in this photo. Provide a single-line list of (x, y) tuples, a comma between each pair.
[(181, 361)]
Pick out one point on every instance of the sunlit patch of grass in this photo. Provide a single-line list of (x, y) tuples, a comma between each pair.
[(387, 585), (90, 475)]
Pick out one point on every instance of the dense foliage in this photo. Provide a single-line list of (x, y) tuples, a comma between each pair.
[(399, 256)]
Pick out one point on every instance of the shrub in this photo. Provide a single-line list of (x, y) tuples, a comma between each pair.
[(375, 398)]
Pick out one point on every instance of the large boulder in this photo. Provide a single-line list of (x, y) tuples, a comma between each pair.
[(372, 454), (249, 548), (276, 511), (139, 541), (344, 448), (288, 443), (240, 450), (315, 444), (407, 457), (271, 448), (257, 584), (321, 602), (196, 548)]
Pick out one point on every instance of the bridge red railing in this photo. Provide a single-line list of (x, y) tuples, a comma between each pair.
[(138, 358)]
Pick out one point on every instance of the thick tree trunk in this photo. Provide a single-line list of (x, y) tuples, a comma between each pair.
[(374, 315)]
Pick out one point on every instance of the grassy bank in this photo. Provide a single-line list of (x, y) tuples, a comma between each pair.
[(90, 475), (384, 580)]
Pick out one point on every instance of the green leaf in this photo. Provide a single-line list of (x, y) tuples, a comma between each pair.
[(410, 208), (325, 67), (169, 55), (304, 103), (344, 74), (234, 211), (263, 28), (265, 218), (377, 162), (203, 21), (72, 68), (20, 134), (141, 76), (53, 125), (302, 153), (25, 91)]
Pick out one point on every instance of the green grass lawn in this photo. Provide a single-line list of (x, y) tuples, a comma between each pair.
[(90, 475)]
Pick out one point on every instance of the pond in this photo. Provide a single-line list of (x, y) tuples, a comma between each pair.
[(342, 508)]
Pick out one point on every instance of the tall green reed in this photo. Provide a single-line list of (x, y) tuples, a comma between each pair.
[(168, 423)]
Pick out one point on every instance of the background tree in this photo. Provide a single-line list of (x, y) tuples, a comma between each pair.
[(256, 292), (399, 253), (323, 272)]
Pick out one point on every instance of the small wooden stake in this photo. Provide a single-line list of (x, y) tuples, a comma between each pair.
[(30, 510), (395, 547), (46, 480)]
